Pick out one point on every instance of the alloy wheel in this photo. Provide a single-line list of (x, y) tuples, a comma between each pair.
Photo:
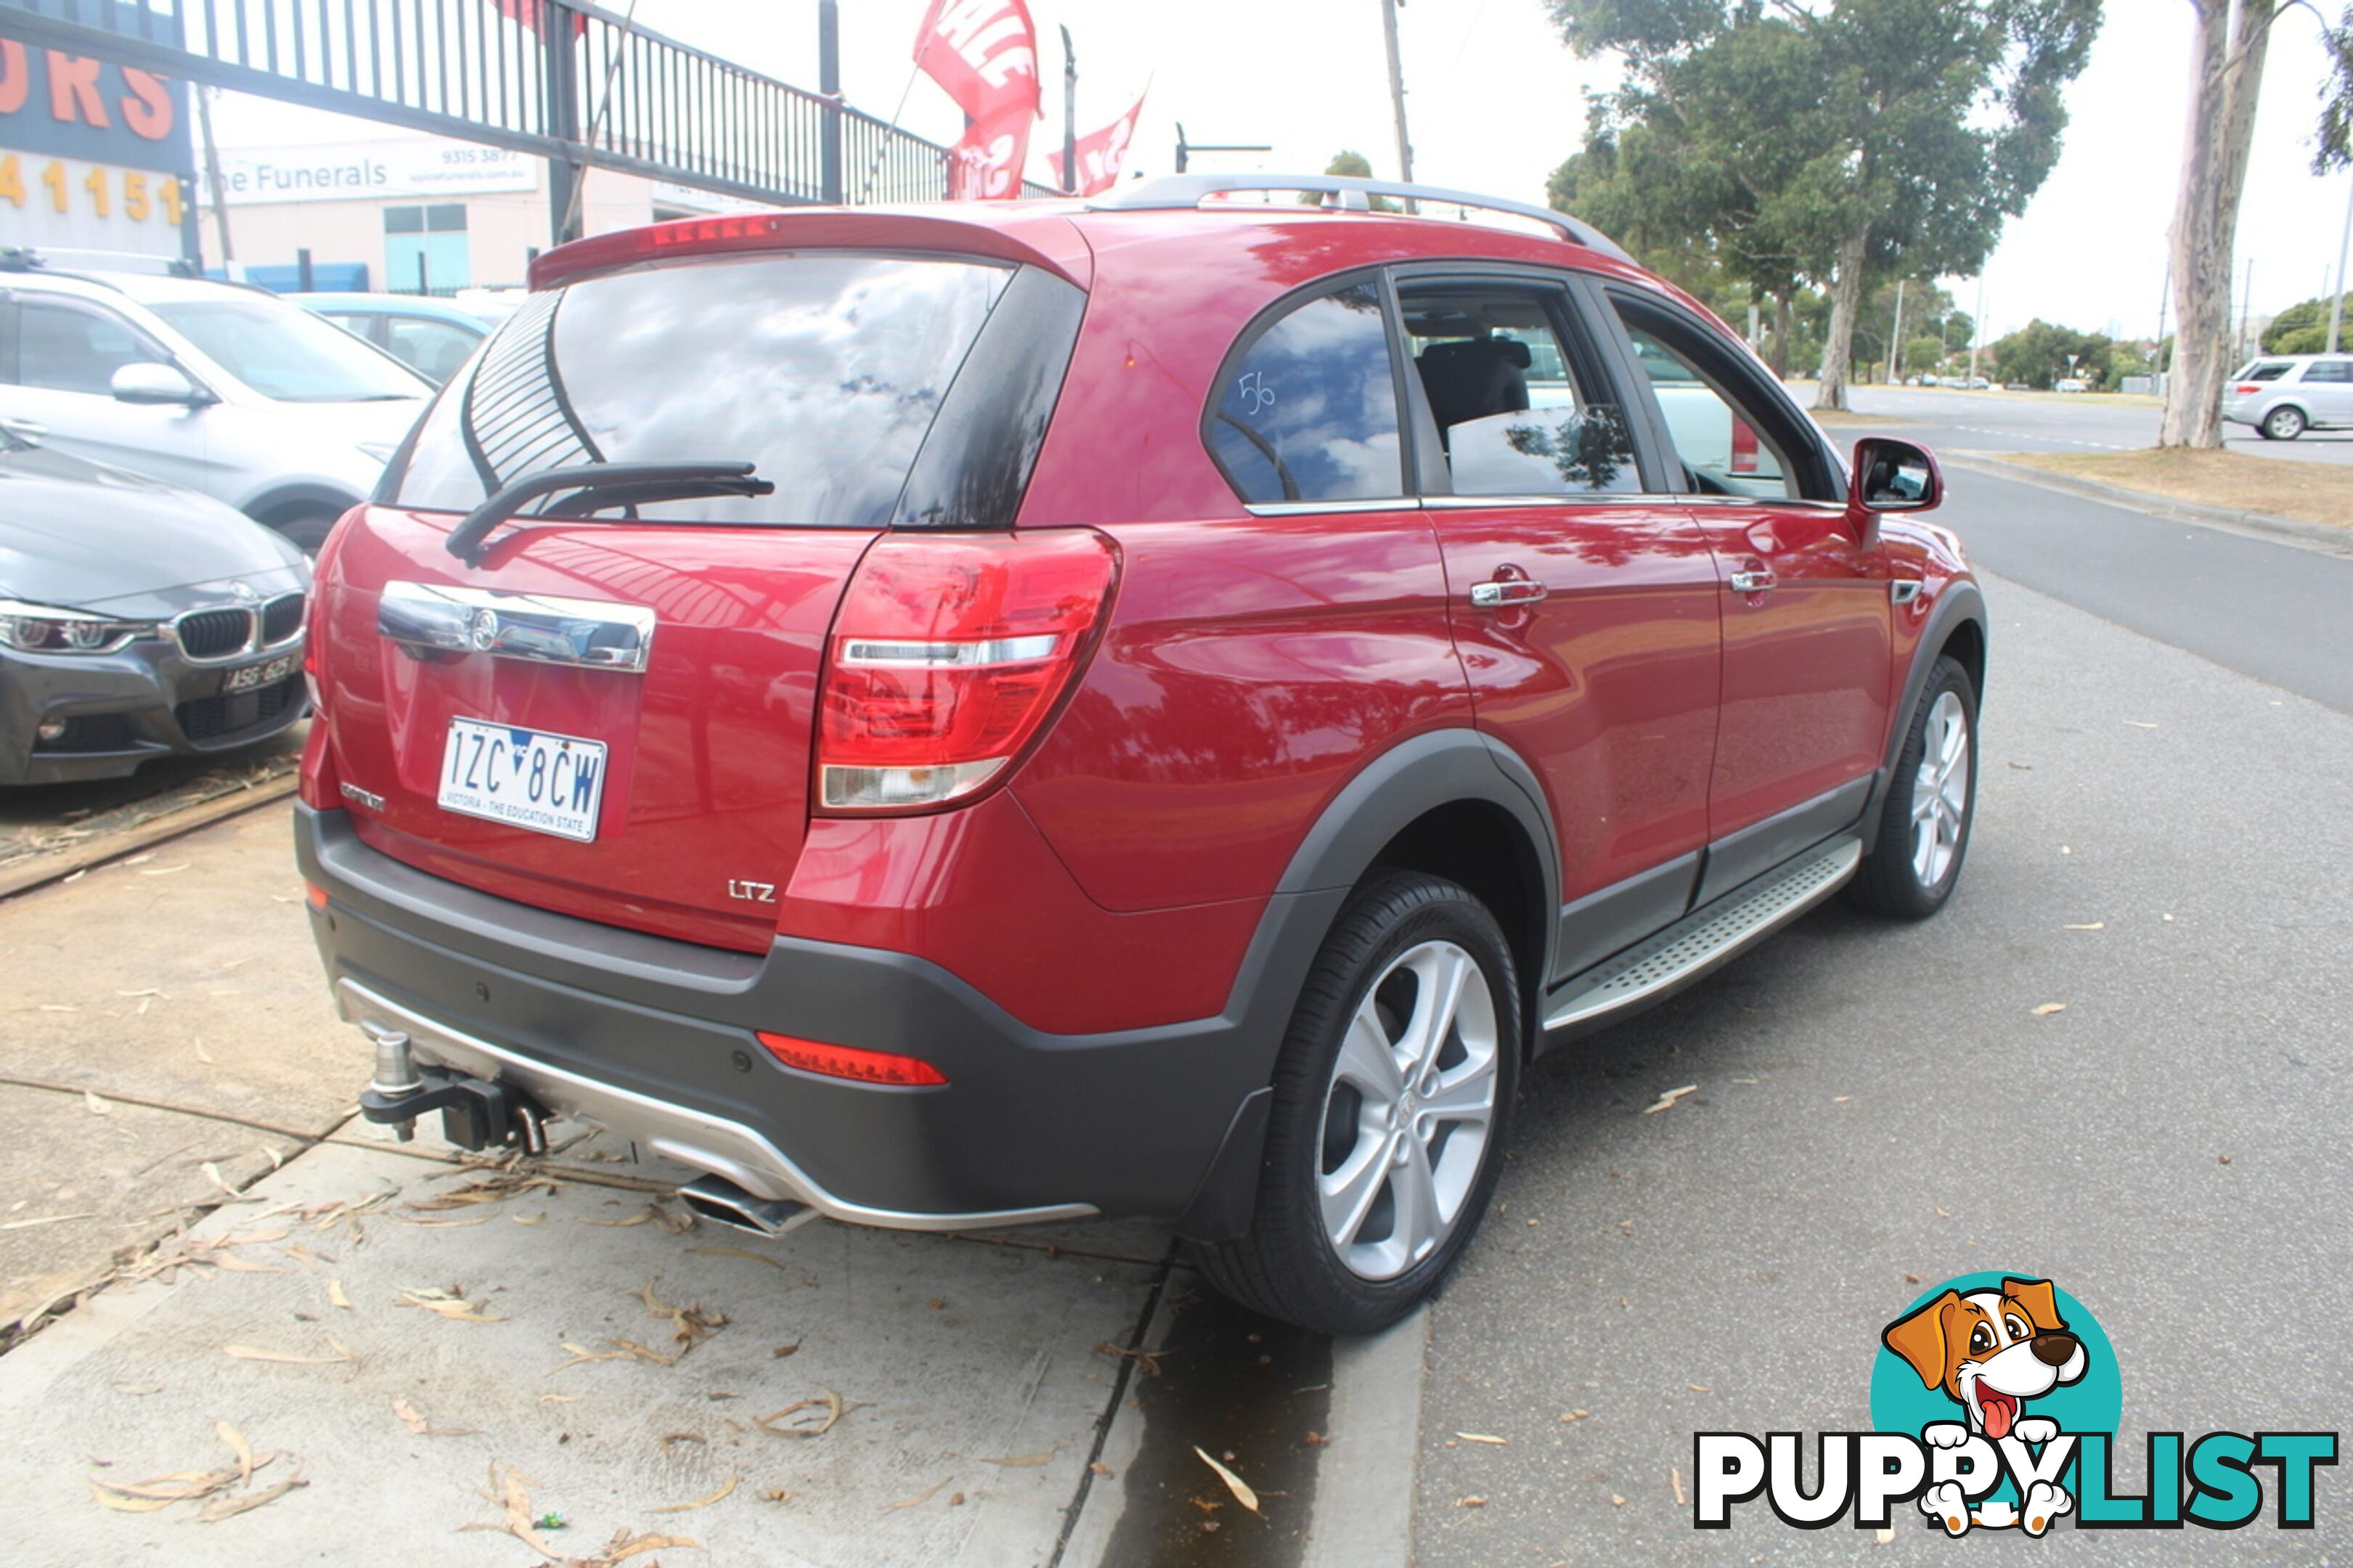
[(1940, 790), (1409, 1111)]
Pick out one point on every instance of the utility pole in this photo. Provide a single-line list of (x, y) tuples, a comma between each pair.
[(1977, 330), (1396, 93), (213, 178), (1895, 337), (828, 83), (2337, 302), (1069, 115)]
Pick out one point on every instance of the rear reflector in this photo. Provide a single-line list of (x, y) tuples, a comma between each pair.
[(847, 1061), (314, 895), (948, 654)]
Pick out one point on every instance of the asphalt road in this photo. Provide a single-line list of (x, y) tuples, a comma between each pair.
[(2021, 422), (1880, 1105)]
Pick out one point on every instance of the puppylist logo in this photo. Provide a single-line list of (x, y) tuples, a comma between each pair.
[(1997, 1400)]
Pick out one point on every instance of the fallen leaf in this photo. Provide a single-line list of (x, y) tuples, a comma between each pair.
[(774, 1494), (1668, 1097), (1100, 1469), (518, 1524), (138, 1388), (781, 1351), (1575, 1415), (1027, 1461), (704, 1502), (230, 1507), (919, 1497), (1840, 1099), (1675, 1479), (1481, 1437), (1234, 1483), (448, 1304), (94, 1105), (1617, 1502), (689, 1325), (528, 1218), (2047, 1008), (1699, 1388), (167, 871), (2096, 925), (1471, 1501), (442, 1223), (414, 1419), (739, 1252), (335, 1294), (249, 1352), (47, 1219), (121, 1504), (240, 1446), (57, 1007), (624, 1546), (2136, 723), (829, 1402)]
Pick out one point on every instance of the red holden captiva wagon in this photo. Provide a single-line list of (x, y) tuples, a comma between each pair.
[(957, 717)]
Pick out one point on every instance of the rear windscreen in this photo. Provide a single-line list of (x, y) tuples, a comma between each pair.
[(825, 370)]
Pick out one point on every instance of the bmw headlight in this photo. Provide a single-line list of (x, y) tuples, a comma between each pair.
[(43, 628)]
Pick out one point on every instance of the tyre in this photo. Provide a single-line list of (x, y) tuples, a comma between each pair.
[(309, 531), (1391, 1097), (2284, 423), (1924, 828)]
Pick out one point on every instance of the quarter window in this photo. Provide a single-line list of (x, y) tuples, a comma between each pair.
[(1308, 410)]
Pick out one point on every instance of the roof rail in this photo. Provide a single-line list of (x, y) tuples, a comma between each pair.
[(1184, 191)]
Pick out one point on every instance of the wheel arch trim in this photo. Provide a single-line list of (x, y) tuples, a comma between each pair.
[(1960, 604)]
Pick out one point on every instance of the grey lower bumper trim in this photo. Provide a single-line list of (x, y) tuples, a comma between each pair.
[(711, 1144)]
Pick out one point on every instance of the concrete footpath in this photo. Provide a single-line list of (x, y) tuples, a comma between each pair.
[(280, 1337)]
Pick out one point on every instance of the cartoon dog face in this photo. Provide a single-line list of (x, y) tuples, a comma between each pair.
[(1990, 1351)]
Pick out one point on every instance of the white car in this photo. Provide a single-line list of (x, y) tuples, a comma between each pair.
[(2283, 395), (216, 387)]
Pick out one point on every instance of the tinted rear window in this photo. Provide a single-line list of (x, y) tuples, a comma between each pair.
[(2268, 370), (826, 370)]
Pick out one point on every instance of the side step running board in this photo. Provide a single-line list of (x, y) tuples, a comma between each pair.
[(1705, 938)]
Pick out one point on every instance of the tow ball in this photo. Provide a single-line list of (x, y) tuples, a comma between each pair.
[(475, 1113)]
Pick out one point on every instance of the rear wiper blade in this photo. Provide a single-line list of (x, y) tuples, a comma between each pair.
[(604, 484)]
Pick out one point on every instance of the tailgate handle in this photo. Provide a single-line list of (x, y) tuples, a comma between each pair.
[(428, 619)]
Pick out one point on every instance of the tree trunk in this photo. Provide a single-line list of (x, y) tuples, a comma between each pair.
[(1781, 326), (1846, 301), (2226, 74)]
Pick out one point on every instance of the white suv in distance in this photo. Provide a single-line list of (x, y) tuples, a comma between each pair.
[(216, 387), (2283, 395)]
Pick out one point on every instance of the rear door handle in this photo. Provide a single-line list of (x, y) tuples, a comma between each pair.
[(1507, 591), (1756, 582)]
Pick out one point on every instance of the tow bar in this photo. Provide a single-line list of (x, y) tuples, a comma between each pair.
[(475, 1113)]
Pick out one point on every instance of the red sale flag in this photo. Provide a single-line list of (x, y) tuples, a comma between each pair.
[(983, 55), (1100, 154), (528, 12)]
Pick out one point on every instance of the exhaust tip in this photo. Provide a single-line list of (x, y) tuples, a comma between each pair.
[(716, 1198)]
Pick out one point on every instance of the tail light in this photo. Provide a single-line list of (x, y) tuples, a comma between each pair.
[(851, 1062), (1743, 446), (947, 655), (2245, 387)]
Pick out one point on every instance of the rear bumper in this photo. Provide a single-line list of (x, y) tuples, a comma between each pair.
[(655, 1038)]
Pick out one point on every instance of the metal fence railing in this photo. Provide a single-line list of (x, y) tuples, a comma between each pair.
[(567, 80)]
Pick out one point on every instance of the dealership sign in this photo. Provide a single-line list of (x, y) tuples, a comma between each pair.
[(416, 168), (93, 156)]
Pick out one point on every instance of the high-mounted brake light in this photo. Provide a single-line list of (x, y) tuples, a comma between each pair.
[(1743, 446), (948, 654), (848, 1061), (736, 231)]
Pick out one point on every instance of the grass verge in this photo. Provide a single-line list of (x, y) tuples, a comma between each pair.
[(2276, 486)]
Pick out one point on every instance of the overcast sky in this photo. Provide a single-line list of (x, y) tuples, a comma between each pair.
[(1496, 101)]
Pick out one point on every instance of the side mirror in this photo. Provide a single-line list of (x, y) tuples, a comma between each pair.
[(1892, 476), (145, 380)]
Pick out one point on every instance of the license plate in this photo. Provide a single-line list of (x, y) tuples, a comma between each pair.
[(267, 673), (524, 778)]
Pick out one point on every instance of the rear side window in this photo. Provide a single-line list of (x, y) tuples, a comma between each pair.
[(1307, 411), (826, 370), (2329, 370), (2265, 370)]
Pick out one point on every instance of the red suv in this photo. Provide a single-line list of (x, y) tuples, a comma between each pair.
[(949, 718)]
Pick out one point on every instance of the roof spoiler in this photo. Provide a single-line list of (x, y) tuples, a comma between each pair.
[(1350, 195), (1035, 240)]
